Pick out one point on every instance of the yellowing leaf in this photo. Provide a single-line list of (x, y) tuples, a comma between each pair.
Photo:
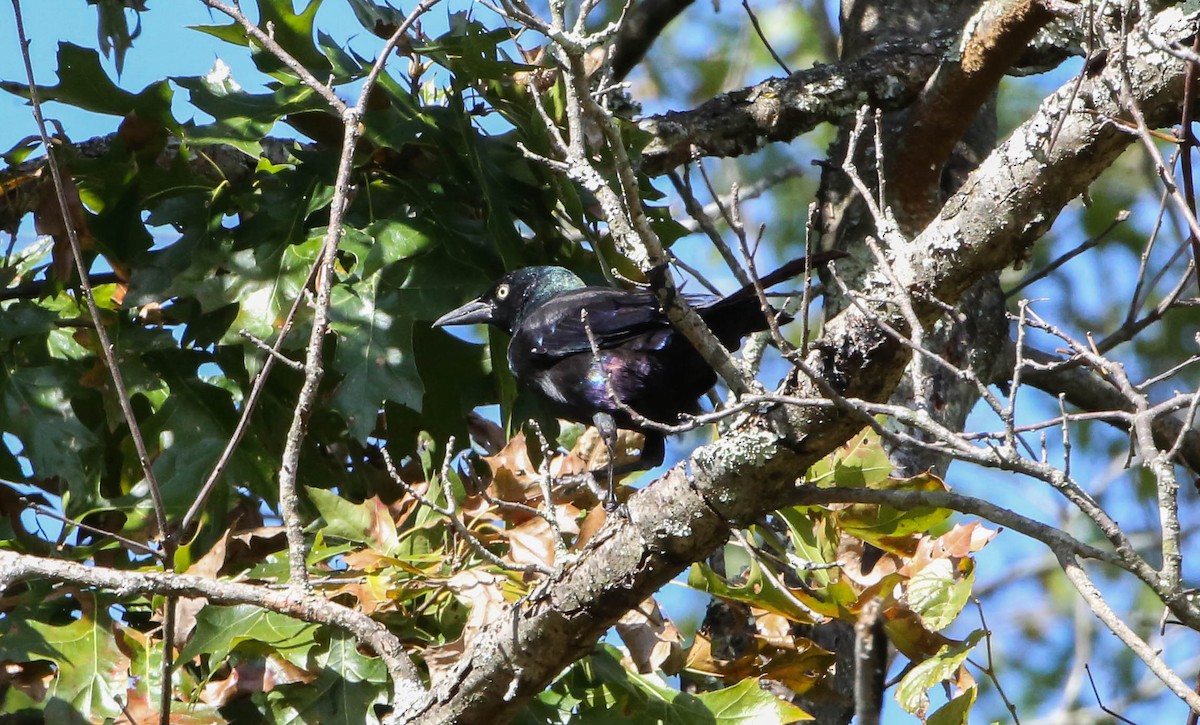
[(912, 691), (937, 594)]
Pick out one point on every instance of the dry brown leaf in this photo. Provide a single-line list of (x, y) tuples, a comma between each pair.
[(591, 450), (594, 521), (442, 658), (186, 608), (773, 629), (909, 635), (966, 539), (955, 544), (382, 527), (799, 670), (652, 639), (481, 590), (253, 677), (532, 542), (251, 546), (140, 710), (514, 477), (849, 557), (369, 593), (700, 657), (48, 220)]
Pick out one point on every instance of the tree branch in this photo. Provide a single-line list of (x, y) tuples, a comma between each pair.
[(780, 109), (644, 22), (995, 218), (994, 39), (15, 568)]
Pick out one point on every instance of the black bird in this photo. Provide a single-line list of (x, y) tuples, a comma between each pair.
[(652, 368)]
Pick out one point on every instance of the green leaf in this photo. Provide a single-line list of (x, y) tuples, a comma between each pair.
[(92, 673), (746, 703), (912, 691), (345, 693), (814, 538), (758, 589), (242, 119), (377, 18), (374, 355), (24, 318), (397, 239), (957, 711), (221, 630), (456, 375), (199, 419), (937, 595), (84, 84), (880, 524), (293, 32), (36, 402), (599, 689), (113, 29), (369, 522), (21, 150), (861, 462)]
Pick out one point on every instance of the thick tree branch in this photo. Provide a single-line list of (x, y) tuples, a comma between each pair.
[(995, 218), (643, 24), (780, 109), (995, 38)]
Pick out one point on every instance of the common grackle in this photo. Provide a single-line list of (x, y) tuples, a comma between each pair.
[(651, 367)]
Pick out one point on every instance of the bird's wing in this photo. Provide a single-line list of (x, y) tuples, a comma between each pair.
[(616, 317)]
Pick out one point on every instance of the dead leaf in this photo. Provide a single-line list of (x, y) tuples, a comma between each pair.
[(905, 631), (966, 539), (252, 677), (532, 542), (591, 450), (652, 639), (481, 591), (441, 659), (251, 546), (186, 608), (48, 220), (514, 477), (592, 523), (849, 557), (371, 593)]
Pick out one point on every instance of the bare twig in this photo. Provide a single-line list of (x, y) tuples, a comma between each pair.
[(107, 350), (1083, 584), (763, 37), (308, 608), (234, 11)]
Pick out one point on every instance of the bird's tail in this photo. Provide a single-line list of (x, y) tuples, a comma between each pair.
[(792, 269), (732, 318)]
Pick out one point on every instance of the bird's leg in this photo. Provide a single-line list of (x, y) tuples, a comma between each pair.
[(606, 426)]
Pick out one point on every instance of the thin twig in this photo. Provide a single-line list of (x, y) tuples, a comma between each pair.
[(234, 11), (107, 350), (763, 37), (1083, 584)]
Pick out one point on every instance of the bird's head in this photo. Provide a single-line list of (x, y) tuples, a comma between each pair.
[(511, 298)]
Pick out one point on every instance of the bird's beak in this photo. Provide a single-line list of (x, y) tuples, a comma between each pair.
[(474, 312)]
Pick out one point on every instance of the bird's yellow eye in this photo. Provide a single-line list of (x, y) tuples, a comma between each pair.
[(502, 291)]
